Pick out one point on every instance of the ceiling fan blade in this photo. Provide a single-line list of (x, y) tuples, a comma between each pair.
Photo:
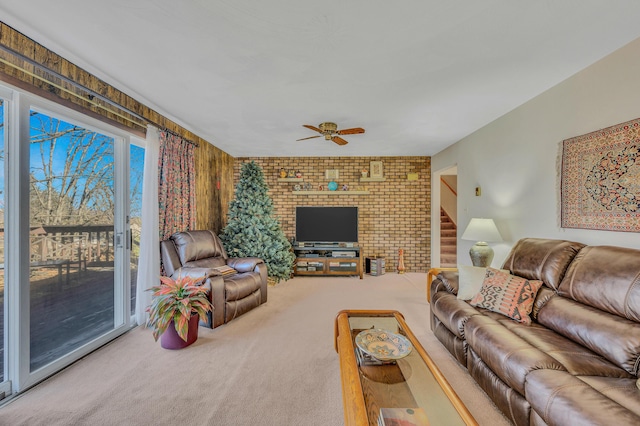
[(339, 140), (315, 129), (353, 131), (310, 137)]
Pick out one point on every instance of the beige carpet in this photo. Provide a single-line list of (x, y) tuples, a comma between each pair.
[(275, 365)]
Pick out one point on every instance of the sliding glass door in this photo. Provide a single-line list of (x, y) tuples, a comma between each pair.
[(136, 169), (66, 284), (72, 198)]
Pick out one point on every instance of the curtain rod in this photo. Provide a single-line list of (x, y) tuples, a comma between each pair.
[(180, 136), (92, 94)]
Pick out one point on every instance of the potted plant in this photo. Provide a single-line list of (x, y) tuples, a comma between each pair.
[(173, 314)]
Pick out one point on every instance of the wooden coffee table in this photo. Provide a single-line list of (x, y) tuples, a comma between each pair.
[(410, 382)]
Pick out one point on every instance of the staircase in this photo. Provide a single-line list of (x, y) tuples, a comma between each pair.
[(448, 245)]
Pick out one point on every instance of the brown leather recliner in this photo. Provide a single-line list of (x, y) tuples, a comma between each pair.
[(195, 253)]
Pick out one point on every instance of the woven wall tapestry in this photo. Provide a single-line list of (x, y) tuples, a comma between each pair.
[(600, 179)]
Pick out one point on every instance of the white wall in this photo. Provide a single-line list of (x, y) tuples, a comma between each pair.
[(514, 158)]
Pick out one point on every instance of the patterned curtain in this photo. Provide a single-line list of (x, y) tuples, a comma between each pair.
[(176, 185)]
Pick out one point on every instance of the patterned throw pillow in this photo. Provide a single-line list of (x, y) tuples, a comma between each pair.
[(507, 294)]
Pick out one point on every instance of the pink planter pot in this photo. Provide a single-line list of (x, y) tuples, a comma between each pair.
[(171, 340)]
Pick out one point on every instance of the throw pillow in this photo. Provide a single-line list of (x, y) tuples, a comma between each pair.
[(507, 294), (470, 280)]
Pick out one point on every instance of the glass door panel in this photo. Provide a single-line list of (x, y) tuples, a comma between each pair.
[(136, 169), (71, 241)]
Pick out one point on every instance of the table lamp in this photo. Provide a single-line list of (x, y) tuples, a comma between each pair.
[(481, 230)]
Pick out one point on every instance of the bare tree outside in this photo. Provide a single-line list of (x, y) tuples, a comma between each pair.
[(75, 188)]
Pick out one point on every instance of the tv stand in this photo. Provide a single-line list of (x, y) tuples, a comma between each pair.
[(327, 259)]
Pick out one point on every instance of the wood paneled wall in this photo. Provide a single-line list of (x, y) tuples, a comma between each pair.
[(214, 167), (214, 186)]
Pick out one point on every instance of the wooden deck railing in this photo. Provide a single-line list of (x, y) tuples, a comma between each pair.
[(90, 245)]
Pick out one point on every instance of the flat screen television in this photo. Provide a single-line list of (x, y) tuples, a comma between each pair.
[(327, 224)]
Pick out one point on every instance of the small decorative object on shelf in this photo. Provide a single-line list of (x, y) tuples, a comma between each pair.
[(401, 261), (320, 188), (291, 174), (345, 187), (333, 185), (298, 174), (364, 173), (296, 187), (283, 173)]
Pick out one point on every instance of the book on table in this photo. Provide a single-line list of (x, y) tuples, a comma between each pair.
[(225, 270), (402, 417)]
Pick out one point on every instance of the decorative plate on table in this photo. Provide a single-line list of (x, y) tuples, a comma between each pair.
[(383, 344)]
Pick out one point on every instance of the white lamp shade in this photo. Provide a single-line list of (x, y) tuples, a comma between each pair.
[(480, 229)]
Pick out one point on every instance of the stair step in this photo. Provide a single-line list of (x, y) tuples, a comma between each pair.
[(448, 242)]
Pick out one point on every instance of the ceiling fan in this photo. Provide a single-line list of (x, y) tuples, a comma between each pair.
[(331, 133)]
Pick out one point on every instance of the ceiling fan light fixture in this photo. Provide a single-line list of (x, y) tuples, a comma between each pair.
[(328, 127), (330, 132)]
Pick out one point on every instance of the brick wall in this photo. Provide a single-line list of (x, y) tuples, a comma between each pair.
[(394, 215)]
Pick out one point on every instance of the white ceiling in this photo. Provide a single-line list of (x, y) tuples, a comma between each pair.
[(418, 75)]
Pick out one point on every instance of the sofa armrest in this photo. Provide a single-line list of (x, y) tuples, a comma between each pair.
[(431, 275), (244, 264), (194, 272)]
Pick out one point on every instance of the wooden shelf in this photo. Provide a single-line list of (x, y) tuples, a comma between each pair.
[(322, 265), (372, 179), (327, 192), (290, 179)]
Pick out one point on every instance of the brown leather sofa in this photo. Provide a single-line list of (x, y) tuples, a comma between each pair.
[(195, 253), (578, 361)]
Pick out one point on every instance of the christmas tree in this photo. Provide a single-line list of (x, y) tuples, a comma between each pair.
[(252, 229)]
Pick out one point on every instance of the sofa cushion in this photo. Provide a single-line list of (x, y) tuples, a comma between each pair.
[(541, 259), (615, 338), (607, 278), (575, 358), (196, 245), (506, 354), (507, 294), (239, 286), (622, 391), (562, 399)]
